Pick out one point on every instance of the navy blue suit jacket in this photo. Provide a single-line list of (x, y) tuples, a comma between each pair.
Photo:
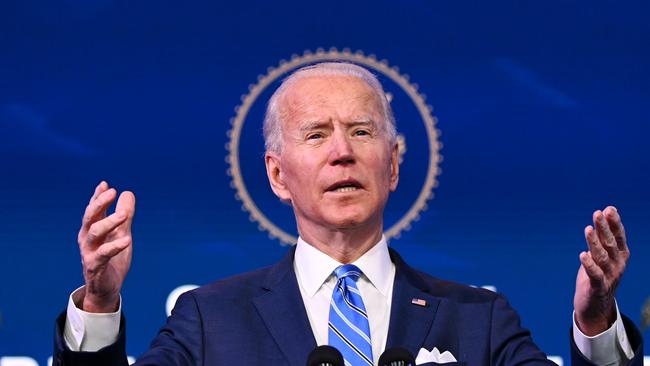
[(258, 318)]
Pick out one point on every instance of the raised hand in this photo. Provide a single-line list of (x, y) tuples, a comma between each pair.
[(105, 244), (600, 273)]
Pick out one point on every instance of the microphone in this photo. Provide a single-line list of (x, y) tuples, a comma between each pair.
[(325, 356), (396, 356)]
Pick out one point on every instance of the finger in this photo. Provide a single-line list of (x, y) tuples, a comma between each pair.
[(98, 230), (126, 204), (111, 249), (96, 209), (605, 235), (616, 225), (596, 250), (101, 187), (595, 273)]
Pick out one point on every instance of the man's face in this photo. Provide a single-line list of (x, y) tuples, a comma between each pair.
[(336, 166)]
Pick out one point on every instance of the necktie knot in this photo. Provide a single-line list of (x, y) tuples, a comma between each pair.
[(348, 270)]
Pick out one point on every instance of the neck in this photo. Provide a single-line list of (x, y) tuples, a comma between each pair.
[(343, 245)]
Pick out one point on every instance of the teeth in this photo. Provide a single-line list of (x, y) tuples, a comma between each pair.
[(345, 189)]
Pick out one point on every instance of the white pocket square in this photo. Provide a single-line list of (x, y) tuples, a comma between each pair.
[(434, 355)]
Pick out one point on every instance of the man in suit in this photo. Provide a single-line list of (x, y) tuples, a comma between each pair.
[(331, 153)]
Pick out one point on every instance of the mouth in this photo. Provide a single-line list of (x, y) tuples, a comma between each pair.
[(345, 186)]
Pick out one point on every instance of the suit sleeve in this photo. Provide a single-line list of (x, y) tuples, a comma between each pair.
[(510, 343), (633, 335), (178, 343), (112, 355)]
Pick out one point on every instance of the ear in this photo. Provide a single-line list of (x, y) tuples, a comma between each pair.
[(274, 173), (394, 167)]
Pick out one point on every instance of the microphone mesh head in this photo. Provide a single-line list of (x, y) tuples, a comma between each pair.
[(325, 356), (396, 356)]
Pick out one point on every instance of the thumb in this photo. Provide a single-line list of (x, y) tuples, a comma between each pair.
[(126, 203)]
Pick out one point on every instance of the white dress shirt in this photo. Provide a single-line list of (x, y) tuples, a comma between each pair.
[(314, 271), (90, 331)]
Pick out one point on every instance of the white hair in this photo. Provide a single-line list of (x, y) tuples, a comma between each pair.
[(272, 118)]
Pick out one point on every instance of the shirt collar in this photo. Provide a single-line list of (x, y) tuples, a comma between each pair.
[(315, 267)]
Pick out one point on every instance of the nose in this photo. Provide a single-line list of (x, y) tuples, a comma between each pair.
[(341, 150)]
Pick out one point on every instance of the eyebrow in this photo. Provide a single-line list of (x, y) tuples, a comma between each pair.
[(363, 121), (314, 125)]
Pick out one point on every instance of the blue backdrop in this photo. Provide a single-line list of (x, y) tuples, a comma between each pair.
[(542, 109)]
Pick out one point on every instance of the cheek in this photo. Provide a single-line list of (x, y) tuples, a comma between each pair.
[(299, 177), (382, 168), (290, 169)]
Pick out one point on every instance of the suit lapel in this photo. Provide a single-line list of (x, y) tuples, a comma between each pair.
[(283, 312), (409, 323)]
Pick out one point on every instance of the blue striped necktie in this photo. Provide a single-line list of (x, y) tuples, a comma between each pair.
[(349, 331)]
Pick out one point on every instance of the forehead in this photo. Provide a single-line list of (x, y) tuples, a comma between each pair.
[(340, 94)]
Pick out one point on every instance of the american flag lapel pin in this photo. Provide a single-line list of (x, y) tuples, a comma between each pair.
[(419, 302)]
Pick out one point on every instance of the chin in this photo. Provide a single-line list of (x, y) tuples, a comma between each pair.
[(349, 224), (350, 219)]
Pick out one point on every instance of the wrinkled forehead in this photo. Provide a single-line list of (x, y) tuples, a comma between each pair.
[(309, 94)]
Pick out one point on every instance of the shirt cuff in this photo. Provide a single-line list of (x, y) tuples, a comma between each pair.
[(89, 332), (610, 347)]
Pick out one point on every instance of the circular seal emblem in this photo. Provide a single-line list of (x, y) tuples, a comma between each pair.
[(423, 146)]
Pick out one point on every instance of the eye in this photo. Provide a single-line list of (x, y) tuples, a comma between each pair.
[(361, 133), (314, 136)]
